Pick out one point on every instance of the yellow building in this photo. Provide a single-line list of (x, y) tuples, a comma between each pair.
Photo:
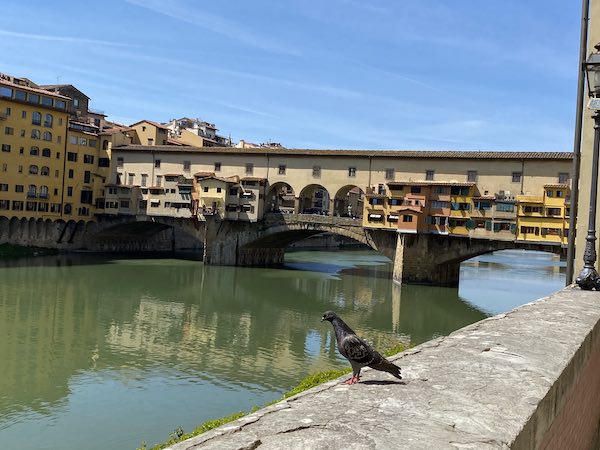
[(146, 132), (33, 125), (544, 218), (87, 170)]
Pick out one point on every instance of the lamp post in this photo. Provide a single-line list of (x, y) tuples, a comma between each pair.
[(588, 278)]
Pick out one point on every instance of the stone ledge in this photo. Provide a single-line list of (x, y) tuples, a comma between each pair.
[(499, 383)]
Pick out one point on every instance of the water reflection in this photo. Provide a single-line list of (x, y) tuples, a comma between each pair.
[(137, 345)]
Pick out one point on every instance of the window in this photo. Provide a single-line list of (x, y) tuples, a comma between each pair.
[(70, 191), (560, 194), (549, 193), (92, 143), (407, 218), (158, 180), (73, 140), (9, 130), (45, 171), (71, 173), (20, 168), (87, 176), (48, 120), (439, 205), (47, 136), (103, 162), (472, 176), (415, 189), (316, 171), (33, 98), (144, 179), (35, 134), (505, 207), (19, 188), (4, 204), (46, 101), (205, 189), (71, 156), (249, 168), (32, 191), (553, 211), (156, 163), (82, 141), (233, 191), (130, 178), (351, 171), (376, 201), (33, 169), (217, 167), (56, 173), (485, 206), (532, 209), (88, 159), (86, 197), (46, 153), (36, 118), (34, 151), (43, 191), (390, 174), (282, 169), (76, 102), (563, 178), (5, 92), (6, 148), (60, 104), (219, 190), (516, 177), (20, 95), (17, 205), (429, 174), (4, 167), (187, 165), (459, 190), (7, 111), (3, 187)]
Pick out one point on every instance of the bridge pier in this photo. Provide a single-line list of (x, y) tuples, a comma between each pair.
[(419, 259)]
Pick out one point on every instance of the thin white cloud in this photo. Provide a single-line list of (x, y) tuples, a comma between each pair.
[(70, 39), (197, 15)]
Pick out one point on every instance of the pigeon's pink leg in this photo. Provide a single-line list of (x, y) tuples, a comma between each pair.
[(352, 380)]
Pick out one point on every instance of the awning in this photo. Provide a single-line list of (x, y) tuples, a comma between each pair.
[(374, 216), (392, 217), (155, 202)]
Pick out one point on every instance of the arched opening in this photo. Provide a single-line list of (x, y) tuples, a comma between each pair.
[(314, 199), (281, 199), (348, 202)]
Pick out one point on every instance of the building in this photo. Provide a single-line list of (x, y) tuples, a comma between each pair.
[(146, 132), (196, 132), (33, 132)]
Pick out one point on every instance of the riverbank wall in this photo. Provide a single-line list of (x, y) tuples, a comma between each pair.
[(526, 379)]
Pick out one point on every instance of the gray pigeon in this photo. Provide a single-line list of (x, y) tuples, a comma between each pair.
[(357, 351)]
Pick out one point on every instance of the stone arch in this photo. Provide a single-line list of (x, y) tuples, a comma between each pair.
[(281, 198), (314, 199), (4, 229), (348, 202), (14, 227), (48, 235)]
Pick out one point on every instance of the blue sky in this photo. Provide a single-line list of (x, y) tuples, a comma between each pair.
[(378, 74)]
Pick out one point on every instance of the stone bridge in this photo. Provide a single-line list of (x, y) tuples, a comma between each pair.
[(422, 259)]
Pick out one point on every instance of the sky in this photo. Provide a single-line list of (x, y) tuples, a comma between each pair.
[(494, 75)]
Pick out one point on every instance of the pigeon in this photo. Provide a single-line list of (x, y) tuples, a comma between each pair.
[(357, 351)]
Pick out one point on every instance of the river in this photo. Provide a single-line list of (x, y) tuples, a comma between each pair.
[(102, 351)]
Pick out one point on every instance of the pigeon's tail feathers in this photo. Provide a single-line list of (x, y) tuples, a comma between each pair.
[(386, 366)]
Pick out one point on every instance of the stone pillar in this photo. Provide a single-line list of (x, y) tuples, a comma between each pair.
[(417, 261), (331, 207), (296, 205)]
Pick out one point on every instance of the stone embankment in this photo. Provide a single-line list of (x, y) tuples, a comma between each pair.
[(526, 379)]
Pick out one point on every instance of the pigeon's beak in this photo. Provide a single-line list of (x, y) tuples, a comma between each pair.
[(323, 319)]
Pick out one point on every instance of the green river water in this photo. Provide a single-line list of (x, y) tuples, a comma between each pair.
[(104, 352)]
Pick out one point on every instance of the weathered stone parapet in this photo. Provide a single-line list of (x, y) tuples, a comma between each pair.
[(526, 379)]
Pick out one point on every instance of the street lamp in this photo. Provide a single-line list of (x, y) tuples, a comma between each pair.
[(588, 278)]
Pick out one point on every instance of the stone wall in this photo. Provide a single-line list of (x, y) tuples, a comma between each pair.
[(526, 379)]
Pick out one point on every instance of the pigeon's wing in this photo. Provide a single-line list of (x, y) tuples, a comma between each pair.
[(357, 350)]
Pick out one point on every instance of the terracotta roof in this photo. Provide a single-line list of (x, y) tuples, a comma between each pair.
[(58, 86), (204, 174), (156, 124), (557, 185), (115, 130), (253, 179), (412, 154), (484, 197), (173, 141)]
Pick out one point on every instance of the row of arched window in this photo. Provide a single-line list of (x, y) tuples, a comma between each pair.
[(37, 134), (35, 151), (34, 170), (34, 192), (36, 119)]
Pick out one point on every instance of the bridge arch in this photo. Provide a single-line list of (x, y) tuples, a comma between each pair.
[(348, 201), (314, 199), (281, 198)]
